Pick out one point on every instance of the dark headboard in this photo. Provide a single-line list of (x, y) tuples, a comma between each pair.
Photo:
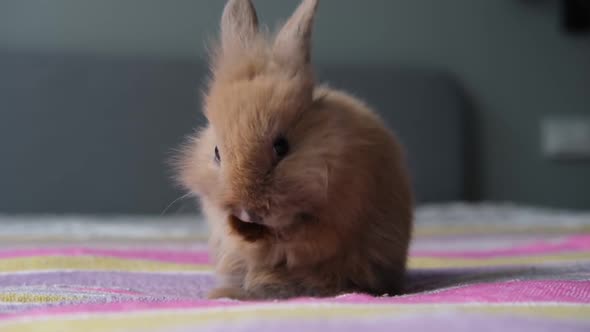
[(90, 134)]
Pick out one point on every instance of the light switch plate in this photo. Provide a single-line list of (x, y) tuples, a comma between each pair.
[(566, 137)]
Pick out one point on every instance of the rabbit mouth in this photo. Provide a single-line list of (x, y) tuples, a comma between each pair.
[(250, 231)]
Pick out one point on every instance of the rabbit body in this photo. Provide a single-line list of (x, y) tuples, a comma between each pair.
[(304, 187)]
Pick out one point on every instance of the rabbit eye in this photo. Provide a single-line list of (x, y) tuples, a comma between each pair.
[(281, 147), (217, 156)]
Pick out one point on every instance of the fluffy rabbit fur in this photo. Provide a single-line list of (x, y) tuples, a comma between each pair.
[(304, 188)]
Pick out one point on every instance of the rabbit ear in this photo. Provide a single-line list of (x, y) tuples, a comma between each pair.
[(292, 46), (239, 25)]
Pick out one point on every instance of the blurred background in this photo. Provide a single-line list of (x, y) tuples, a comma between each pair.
[(491, 98)]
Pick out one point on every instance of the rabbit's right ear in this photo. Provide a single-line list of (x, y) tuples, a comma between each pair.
[(239, 26), (292, 47)]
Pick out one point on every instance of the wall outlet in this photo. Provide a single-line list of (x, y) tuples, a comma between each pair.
[(566, 137)]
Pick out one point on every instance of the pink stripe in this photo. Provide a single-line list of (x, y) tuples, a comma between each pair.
[(566, 291), (571, 244), (127, 306), (183, 257)]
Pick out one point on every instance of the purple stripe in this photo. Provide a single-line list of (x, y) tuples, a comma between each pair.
[(194, 286), (178, 286), (457, 321), (173, 256)]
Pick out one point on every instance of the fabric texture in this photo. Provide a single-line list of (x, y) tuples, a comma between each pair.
[(485, 267)]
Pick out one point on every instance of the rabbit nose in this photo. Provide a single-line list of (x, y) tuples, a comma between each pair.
[(247, 216)]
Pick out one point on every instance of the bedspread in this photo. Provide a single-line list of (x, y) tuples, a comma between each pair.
[(471, 267)]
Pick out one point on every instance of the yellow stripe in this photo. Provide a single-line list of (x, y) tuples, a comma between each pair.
[(137, 265), (580, 312), (35, 298), (93, 263), (420, 231), (56, 239), (166, 320), (428, 230), (446, 230), (433, 263)]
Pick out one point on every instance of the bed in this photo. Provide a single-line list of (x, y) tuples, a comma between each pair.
[(487, 266)]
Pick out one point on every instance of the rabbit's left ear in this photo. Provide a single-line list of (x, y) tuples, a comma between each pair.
[(292, 47), (239, 26)]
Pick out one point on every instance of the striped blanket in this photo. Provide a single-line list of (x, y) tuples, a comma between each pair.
[(483, 267)]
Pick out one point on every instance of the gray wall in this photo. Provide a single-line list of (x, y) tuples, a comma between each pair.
[(509, 54)]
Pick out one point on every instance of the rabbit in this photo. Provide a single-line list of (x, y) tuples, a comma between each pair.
[(304, 188)]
